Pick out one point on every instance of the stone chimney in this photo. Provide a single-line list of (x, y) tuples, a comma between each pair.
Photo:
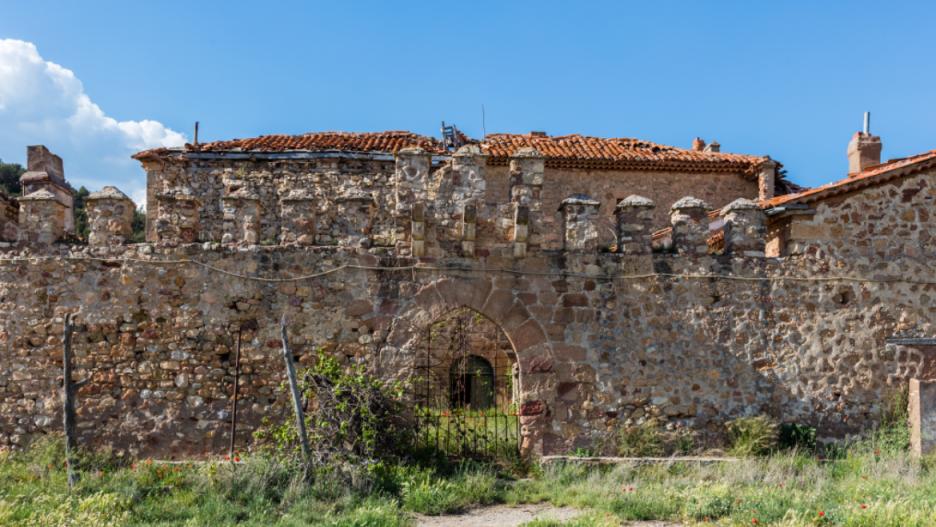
[(44, 170), (698, 144), (864, 150), (714, 146)]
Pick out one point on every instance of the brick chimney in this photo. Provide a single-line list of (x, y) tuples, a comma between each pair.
[(864, 149), (698, 144), (714, 146)]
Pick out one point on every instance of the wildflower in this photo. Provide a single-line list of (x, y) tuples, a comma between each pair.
[(237, 459), (754, 521), (864, 505), (821, 514)]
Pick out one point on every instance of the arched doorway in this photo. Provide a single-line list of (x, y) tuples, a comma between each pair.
[(464, 387)]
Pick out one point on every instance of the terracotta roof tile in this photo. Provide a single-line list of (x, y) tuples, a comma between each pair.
[(580, 151), (389, 142), (568, 151), (870, 176)]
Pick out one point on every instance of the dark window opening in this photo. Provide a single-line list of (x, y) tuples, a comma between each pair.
[(472, 383)]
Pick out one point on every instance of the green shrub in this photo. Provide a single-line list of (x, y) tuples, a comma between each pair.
[(355, 423), (752, 436), (644, 439), (797, 436)]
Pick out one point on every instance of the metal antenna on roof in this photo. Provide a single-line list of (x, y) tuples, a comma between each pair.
[(483, 123), (196, 134), (867, 123)]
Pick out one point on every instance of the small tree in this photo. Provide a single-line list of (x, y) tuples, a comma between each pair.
[(139, 226), (355, 421), (10, 177), (81, 213)]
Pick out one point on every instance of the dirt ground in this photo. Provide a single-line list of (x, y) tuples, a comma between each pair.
[(512, 516)]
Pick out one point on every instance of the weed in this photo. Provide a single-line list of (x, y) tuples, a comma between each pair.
[(643, 439), (752, 436)]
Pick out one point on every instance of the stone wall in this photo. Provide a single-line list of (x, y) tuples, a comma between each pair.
[(324, 181), (593, 346), (609, 187), (368, 255), (891, 220)]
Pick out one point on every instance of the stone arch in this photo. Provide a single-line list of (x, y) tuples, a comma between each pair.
[(504, 307)]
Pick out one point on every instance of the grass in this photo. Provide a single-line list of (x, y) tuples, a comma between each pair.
[(485, 433), (870, 483)]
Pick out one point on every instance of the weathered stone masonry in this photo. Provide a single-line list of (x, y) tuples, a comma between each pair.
[(600, 336)]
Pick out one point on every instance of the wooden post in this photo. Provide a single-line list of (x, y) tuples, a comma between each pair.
[(237, 349), (296, 398), (69, 387)]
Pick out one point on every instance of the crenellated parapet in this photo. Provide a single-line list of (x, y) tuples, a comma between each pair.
[(420, 205), (413, 205)]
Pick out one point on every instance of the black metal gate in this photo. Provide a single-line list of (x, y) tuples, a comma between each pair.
[(464, 388)]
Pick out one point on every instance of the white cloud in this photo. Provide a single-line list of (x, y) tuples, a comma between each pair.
[(44, 103)]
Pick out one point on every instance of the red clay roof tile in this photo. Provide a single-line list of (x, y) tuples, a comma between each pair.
[(580, 151), (870, 176), (568, 151), (389, 142)]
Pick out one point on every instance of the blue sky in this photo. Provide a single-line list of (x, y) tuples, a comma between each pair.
[(788, 79)]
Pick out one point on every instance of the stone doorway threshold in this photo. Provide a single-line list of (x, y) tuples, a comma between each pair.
[(513, 516)]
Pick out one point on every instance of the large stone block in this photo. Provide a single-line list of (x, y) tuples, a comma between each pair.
[(922, 416)]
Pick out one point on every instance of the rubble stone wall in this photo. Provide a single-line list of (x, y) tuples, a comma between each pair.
[(609, 187), (891, 220), (593, 347), (382, 251)]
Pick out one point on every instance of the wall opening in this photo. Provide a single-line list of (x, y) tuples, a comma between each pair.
[(464, 387)]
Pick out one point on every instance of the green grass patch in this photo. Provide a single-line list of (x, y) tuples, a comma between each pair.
[(873, 482)]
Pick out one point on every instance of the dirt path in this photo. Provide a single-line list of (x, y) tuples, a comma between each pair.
[(512, 516)]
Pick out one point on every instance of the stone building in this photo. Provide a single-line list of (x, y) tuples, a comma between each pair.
[(574, 281)]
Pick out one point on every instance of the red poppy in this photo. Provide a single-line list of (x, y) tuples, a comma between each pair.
[(237, 459), (754, 521), (821, 514), (864, 505)]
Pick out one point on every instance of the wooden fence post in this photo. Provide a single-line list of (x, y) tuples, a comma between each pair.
[(69, 387), (296, 398), (237, 354)]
